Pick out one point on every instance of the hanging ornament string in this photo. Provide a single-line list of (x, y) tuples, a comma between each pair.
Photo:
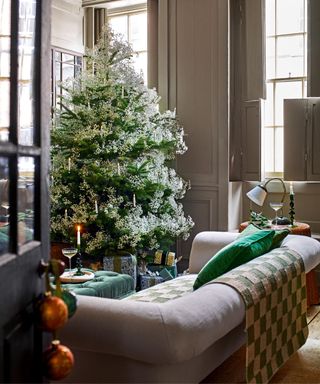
[(52, 312)]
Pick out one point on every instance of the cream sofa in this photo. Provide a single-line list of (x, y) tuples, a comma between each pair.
[(181, 340)]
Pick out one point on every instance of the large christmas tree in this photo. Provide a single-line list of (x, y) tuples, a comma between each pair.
[(111, 156)]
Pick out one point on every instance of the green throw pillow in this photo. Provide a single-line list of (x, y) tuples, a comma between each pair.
[(279, 234), (238, 252)]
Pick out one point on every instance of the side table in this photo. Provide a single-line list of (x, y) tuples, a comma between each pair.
[(312, 288)]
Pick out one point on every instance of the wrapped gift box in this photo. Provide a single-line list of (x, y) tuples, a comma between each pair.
[(164, 258), (159, 268), (147, 281), (125, 264)]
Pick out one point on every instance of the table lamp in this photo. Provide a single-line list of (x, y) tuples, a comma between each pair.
[(259, 193)]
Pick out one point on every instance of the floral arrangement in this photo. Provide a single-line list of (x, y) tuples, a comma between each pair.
[(111, 154), (259, 219)]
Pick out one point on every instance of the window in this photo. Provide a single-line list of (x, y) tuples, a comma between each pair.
[(131, 22), (286, 72), (27, 14), (64, 65), (4, 69)]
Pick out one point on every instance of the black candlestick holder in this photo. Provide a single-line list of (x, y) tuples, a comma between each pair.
[(292, 211), (78, 265)]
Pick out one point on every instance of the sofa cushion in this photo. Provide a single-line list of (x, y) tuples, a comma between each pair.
[(279, 234), (238, 252)]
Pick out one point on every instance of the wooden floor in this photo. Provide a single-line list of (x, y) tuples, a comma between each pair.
[(302, 367)]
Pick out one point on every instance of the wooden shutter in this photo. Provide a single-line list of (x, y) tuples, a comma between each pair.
[(313, 62), (295, 139), (313, 140), (251, 140), (254, 35), (247, 67), (302, 139)]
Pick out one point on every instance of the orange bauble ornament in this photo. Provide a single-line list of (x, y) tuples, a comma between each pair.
[(57, 361), (52, 313)]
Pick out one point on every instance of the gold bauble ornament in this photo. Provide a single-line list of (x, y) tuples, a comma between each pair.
[(52, 313), (58, 361)]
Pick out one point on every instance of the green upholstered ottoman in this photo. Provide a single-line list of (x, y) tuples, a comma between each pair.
[(105, 284)]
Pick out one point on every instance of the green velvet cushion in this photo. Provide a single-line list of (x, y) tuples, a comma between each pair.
[(105, 284), (279, 234), (238, 252)]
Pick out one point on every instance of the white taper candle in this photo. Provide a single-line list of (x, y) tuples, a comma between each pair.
[(78, 236), (291, 188)]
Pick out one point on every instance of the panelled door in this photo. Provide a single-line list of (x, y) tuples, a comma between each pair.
[(24, 159)]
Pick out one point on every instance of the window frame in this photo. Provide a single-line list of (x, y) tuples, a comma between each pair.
[(54, 50), (129, 11), (277, 80)]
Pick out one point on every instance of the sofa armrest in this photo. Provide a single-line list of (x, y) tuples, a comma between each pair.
[(205, 245), (155, 333)]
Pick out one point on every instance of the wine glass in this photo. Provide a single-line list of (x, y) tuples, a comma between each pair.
[(276, 206), (69, 253), (5, 205)]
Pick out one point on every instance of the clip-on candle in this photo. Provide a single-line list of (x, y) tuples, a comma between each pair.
[(78, 261)]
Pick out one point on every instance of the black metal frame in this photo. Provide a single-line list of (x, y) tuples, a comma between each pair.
[(12, 149)]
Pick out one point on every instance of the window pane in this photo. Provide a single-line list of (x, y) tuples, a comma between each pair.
[(58, 56), (4, 205), (133, 27), (270, 56), (67, 71), (4, 109), (269, 149), (58, 71), (140, 63), (67, 58), (268, 106), (77, 69), (305, 42), (290, 16), (305, 84), (270, 17), (5, 17), (120, 25), (278, 155), (290, 61), (27, 11), (138, 31), (285, 90), (25, 199), (5, 12), (4, 56), (78, 61)]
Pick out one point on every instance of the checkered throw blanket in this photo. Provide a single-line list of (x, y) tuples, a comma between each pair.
[(169, 290), (273, 288)]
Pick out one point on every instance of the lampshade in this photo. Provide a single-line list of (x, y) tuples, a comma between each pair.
[(258, 194)]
